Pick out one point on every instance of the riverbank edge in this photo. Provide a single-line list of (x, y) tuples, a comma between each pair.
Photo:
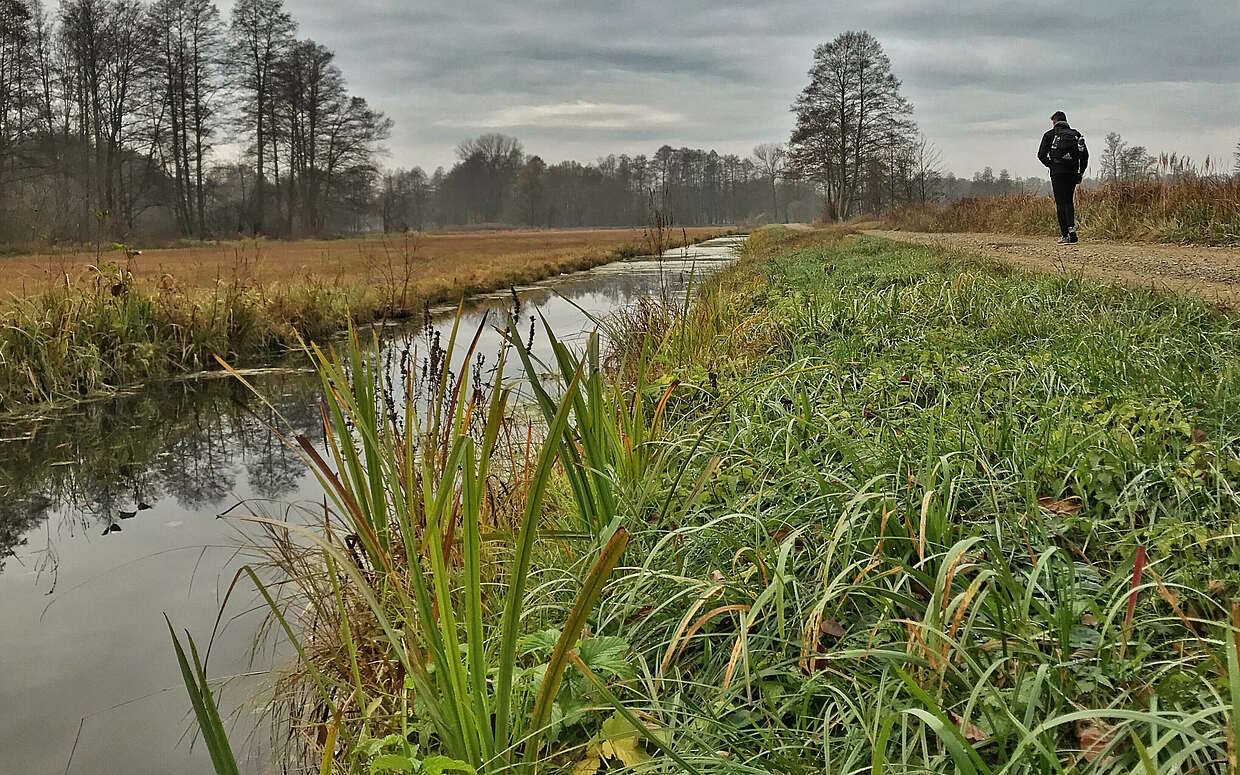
[(65, 346)]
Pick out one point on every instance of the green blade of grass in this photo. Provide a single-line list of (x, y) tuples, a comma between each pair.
[(587, 598), (510, 625), (205, 711)]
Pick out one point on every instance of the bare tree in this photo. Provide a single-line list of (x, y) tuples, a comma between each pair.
[(1137, 164), (261, 32), (189, 62), (927, 168), (531, 191), (44, 83), (16, 71), (770, 159), (111, 108), (107, 55), (1122, 162), (490, 163), (404, 200), (1108, 168), (330, 137), (847, 117)]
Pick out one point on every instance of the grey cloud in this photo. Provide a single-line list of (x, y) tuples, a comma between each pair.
[(982, 74), (577, 115)]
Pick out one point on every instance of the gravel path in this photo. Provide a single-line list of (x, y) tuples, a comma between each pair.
[(1214, 273)]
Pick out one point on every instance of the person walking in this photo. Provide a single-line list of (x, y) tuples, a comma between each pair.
[(1064, 153)]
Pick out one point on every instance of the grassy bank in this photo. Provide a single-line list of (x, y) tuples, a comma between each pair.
[(1197, 211), (886, 510), (933, 481), (82, 325)]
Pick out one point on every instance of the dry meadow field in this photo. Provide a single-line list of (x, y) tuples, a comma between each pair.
[(430, 264)]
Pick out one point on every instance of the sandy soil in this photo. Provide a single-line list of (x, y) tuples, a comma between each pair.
[(1214, 273)]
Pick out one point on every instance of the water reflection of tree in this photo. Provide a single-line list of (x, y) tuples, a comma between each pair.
[(19, 516), (103, 461), (272, 468)]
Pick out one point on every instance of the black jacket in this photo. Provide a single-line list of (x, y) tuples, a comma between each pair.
[(1044, 152)]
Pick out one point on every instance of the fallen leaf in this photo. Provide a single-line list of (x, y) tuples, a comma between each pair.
[(1066, 507), (590, 764), (972, 732), (1094, 739), (627, 751), (619, 739), (831, 628)]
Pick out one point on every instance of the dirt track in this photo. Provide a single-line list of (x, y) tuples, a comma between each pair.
[(1214, 273)]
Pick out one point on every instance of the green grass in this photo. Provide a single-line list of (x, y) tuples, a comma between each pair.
[(928, 481), (888, 510)]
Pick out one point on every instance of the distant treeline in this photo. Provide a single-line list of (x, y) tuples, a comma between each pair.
[(114, 116), (949, 188), (110, 111), (494, 181)]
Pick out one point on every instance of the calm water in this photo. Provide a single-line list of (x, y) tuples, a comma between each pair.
[(109, 519)]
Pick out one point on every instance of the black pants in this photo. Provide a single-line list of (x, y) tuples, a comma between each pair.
[(1064, 186)]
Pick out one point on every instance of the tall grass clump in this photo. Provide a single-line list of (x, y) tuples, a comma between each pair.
[(1181, 209), (70, 342), (441, 606)]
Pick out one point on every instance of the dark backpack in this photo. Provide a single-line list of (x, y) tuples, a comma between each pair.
[(1067, 148)]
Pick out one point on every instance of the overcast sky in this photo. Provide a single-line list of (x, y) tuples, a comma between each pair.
[(584, 78)]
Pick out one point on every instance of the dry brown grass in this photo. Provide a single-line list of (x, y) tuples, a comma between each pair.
[(1187, 210), (434, 265)]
